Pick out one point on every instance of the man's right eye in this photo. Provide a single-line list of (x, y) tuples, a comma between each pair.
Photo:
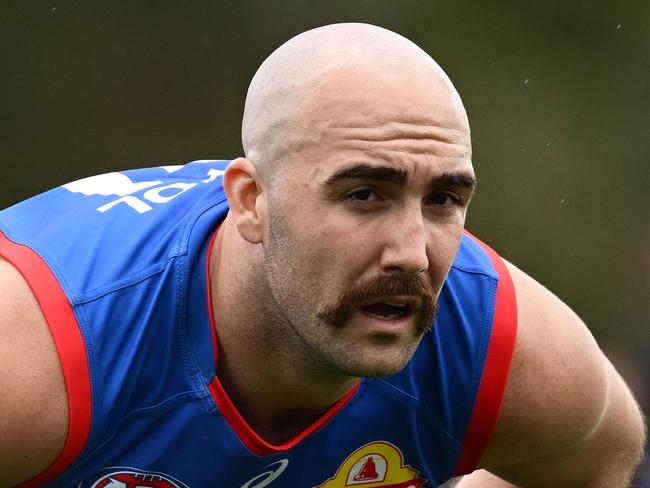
[(365, 195)]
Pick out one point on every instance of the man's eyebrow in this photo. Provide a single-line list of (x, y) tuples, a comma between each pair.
[(463, 180), (367, 172), (397, 175)]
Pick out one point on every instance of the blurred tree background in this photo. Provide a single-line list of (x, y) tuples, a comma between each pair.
[(558, 95)]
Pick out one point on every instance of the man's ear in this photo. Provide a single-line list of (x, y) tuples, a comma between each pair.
[(247, 199)]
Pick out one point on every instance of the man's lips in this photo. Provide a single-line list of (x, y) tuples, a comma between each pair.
[(391, 307), (413, 301)]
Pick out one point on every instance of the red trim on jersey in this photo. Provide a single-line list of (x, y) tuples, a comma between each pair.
[(249, 437), (244, 431), (69, 344), (213, 329), (495, 371)]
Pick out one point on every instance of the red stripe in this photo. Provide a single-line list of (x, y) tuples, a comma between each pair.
[(213, 329), (70, 346), (249, 437), (245, 432), (495, 372)]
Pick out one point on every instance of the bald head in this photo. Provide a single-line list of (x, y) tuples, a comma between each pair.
[(336, 72)]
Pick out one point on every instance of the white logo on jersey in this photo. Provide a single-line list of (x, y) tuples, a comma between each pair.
[(120, 185), (173, 168), (267, 477), (108, 184)]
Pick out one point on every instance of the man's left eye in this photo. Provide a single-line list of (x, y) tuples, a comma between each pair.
[(445, 198)]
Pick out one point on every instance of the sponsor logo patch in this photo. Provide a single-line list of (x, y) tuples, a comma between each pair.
[(377, 464), (119, 477)]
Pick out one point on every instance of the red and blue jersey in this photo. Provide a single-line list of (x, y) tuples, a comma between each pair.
[(118, 264)]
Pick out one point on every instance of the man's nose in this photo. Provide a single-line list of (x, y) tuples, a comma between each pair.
[(405, 248)]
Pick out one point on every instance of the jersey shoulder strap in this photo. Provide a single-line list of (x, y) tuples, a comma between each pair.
[(461, 367)]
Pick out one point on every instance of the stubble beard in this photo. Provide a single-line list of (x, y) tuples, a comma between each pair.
[(294, 305)]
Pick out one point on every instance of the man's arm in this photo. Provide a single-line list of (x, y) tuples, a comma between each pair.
[(33, 402), (568, 419)]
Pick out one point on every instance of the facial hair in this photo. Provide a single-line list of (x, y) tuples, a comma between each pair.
[(385, 285)]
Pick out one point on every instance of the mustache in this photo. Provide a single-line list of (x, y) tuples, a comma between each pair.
[(385, 285)]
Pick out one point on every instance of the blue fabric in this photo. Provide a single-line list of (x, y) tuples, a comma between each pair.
[(129, 251)]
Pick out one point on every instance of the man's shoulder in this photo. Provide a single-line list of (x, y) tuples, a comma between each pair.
[(34, 408), (565, 405), (64, 251)]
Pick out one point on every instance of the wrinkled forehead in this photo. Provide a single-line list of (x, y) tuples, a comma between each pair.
[(367, 96), (357, 98)]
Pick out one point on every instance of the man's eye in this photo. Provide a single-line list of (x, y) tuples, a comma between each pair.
[(363, 195), (445, 198)]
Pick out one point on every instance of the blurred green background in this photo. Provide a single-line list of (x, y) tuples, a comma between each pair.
[(558, 95)]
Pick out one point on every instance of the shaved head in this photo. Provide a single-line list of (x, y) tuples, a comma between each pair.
[(355, 184), (336, 74)]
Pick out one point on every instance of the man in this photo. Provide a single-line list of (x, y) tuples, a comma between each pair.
[(155, 334)]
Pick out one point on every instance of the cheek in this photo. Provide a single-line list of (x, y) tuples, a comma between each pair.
[(441, 250), (351, 240), (306, 244), (334, 254)]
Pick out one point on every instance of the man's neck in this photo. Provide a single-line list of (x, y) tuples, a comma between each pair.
[(276, 384), (272, 408)]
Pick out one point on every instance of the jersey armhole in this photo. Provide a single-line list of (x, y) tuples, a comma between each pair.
[(494, 378), (70, 347)]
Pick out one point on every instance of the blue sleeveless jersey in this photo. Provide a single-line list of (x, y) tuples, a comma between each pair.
[(117, 263)]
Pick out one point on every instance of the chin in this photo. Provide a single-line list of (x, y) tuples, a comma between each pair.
[(376, 356), (379, 372), (380, 365)]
